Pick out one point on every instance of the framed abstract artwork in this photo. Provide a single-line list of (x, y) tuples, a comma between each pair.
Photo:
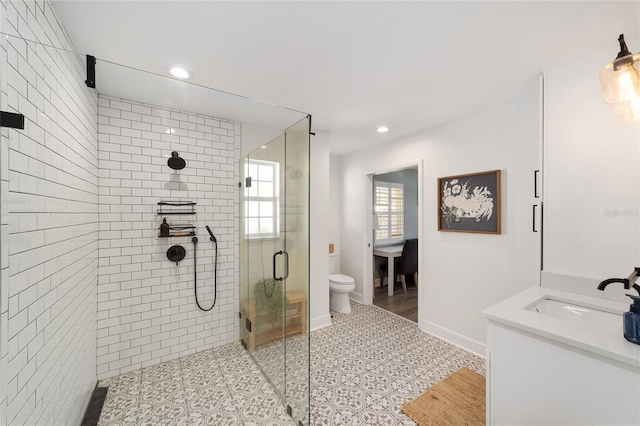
[(470, 203)]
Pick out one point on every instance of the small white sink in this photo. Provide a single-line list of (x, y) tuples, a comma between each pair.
[(577, 314)]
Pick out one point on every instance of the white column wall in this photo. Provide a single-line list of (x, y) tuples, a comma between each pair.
[(319, 237), (335, 203)]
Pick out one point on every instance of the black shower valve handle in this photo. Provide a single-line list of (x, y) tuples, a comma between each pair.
[(176, 253)]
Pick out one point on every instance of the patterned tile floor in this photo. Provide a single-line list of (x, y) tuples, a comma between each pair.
[(371, 362), (218, 387), (363, 369), (270, 357)]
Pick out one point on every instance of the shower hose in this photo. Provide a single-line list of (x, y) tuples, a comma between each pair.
[(195, 274)]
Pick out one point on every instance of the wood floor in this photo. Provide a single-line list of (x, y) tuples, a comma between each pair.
[(405, 305)]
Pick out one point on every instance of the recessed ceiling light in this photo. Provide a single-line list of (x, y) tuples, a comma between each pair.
[(382, 129), (180, 72), (263, 147)]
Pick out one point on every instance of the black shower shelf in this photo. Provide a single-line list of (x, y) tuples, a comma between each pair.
[(180, 231), (188, 234), (176, 203), (168, 213), (176, 207)]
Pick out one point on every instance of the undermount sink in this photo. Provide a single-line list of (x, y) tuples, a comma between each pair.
[(572, 346), (578, 314)]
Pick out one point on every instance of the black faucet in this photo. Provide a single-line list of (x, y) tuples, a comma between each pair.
[(628, 282)]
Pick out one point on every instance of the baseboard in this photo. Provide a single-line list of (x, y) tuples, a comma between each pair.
[(358, 297), (454, 338), (94, 406), (320, 322)]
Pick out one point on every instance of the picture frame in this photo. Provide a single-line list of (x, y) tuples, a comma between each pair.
[(470, 203)]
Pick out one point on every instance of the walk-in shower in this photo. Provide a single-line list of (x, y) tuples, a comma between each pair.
[(134, 183)]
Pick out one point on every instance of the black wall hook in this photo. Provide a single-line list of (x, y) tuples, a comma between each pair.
[(91, 72)]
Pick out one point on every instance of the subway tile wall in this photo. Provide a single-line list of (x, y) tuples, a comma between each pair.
[(4, 217), (147, 311), (49, 221)]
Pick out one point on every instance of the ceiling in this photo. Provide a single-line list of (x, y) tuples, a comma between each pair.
[(354, 66)]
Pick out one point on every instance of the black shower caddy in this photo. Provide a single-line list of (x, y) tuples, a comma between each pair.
[(166, 208)]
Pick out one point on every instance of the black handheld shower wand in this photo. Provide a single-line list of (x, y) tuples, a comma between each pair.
[(212, 237), (215, 270)]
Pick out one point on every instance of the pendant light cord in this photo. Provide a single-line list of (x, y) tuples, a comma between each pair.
[(195, 274)]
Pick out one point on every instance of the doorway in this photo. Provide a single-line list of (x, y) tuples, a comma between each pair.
[(394, 203)]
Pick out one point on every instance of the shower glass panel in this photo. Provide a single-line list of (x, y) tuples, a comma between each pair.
[(275, 255), (296, 244)]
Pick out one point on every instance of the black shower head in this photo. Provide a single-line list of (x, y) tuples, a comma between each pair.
[(175, 162)]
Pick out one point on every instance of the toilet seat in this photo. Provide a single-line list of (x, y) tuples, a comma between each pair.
[(340, 279)]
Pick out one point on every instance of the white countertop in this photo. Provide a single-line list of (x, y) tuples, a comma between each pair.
[(513, 312)]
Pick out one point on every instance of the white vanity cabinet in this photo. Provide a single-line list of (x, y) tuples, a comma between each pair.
[(546, 371), (536, 381)]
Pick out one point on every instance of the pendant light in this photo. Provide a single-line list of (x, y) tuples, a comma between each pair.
[(620, 81)]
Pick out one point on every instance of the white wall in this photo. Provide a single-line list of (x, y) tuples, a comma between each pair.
[(147, 312), (591, 184), (461, 273), (49, 224)]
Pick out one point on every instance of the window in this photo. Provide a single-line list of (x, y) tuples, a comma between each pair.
[(261, 199), (389, 211)]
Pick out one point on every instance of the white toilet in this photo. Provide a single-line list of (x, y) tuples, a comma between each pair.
[(339, 288)]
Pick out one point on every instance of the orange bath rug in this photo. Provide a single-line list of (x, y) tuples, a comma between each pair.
[(457, 400)]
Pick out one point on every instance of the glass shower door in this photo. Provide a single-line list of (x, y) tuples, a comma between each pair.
[(264, 305), (274, 265)]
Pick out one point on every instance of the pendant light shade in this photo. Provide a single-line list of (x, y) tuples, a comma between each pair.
[(620, 81), (629, 112)]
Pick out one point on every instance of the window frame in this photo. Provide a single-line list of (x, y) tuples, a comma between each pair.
[(274, 199), (377, 242)]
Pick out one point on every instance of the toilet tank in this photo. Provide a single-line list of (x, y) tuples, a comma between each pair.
[(333, 258)]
